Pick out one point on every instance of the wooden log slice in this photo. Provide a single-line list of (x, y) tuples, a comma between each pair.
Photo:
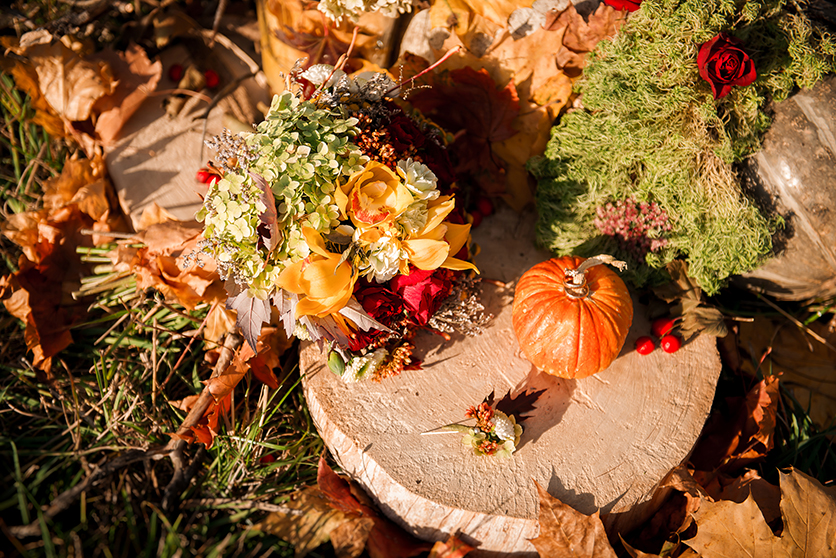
[(604, 442)]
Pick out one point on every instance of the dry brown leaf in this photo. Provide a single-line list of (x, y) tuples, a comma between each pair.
[(766, 495), (349, 539), (807, 367), (746, 436), (730, 530), (82, 182), (136, 78), (69, 83), (26, 78), (453, 547), (809, 512), (309, 521), (565, 532), (154, 215), (386, 540), (583, 36), (34, 299)]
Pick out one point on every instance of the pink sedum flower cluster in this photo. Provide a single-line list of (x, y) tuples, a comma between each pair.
[(639, 227)]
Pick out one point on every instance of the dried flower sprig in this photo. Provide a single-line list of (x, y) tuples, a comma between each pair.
[(495, 432)]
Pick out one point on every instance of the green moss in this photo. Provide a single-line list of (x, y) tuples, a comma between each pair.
[(651, 129)]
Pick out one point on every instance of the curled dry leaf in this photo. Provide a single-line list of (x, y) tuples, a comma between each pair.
[(731, 442), (807, 367), (567, 533)]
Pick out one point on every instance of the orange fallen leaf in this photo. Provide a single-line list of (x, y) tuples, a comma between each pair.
[(565, 532), (31, 297), (453, 547), (386, 540)]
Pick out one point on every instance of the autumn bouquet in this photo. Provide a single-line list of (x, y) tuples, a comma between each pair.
[(339, 212)]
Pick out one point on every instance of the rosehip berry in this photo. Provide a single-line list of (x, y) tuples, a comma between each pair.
[(485, 206), (645, 345), (175, 73), (477, 218), (662, 326), (670, 343), (266, 459), (212, 79), (212, 179), (203, 176)]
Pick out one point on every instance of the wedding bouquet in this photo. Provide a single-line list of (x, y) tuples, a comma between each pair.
[(339, 211)]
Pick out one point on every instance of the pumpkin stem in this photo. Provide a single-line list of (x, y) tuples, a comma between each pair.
[(574, 280)]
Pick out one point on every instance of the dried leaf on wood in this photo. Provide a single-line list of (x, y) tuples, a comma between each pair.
[(565, 532), (453, 547), (701, 319), (726, 529), (386, 540)]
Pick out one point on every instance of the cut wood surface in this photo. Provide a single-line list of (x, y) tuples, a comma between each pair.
[(604, 442)]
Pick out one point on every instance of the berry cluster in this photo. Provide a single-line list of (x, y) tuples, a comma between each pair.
[(638, 226), (662, 329)]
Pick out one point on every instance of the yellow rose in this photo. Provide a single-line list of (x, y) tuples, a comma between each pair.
[(325, 283), (373, 196)]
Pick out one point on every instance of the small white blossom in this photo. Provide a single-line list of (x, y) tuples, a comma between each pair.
[(385, 258), (419, 179)]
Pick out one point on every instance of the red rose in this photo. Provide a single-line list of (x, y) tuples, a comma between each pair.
[(629, 5), (381, 304), (723, 63), (422, 291)]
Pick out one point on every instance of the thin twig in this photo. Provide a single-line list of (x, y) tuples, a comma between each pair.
[(800, 326)]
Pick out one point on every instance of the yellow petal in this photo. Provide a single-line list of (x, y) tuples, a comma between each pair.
[(456, 235), (315, 241), (426, 253), (436, 214), (455, 263)]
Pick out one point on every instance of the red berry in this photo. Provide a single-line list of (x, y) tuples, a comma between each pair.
[(213, 178), (485, 206), (477, 218), (175, 72), (645, 345), (203, 176), (670, 343), (268, 458), (662, 326), (212, 79)]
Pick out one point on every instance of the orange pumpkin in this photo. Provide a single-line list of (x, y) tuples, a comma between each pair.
[(571, 315)]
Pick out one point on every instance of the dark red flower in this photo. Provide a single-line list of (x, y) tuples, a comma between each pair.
[(629, 5), (381, 304), (405, 134), (723, 63), (422, 291)]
